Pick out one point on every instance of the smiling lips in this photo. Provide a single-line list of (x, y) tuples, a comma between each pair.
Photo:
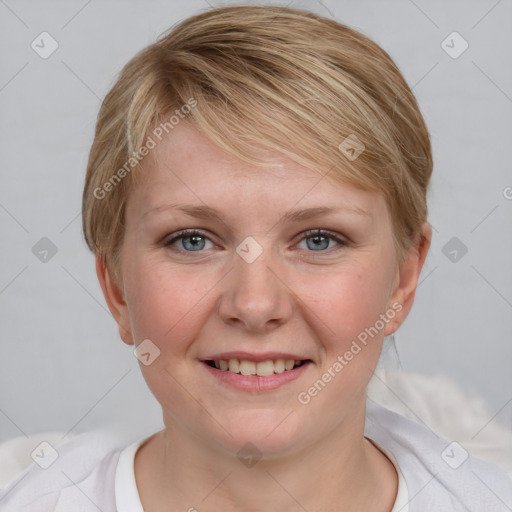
[(259, 368), (256, 373)]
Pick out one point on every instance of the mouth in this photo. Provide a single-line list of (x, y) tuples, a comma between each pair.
[(255, 372), (265, 368)]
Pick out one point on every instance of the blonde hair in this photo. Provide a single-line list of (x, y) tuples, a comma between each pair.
[(263, 77)]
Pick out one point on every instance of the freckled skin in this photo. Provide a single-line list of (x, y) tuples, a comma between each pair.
[(291, 299)]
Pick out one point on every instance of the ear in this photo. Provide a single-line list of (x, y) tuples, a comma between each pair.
[(407, 279), (115, 300)]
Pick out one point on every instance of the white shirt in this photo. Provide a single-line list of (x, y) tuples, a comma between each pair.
[(94, 471)]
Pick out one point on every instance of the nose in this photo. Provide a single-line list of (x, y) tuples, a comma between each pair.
[(255, 296)]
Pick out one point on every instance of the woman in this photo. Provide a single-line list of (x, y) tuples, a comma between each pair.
[(256, 201)]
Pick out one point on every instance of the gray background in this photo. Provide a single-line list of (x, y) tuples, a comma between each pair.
[(63, 366)]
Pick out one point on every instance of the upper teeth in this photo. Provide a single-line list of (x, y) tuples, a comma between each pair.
[(260, 368)]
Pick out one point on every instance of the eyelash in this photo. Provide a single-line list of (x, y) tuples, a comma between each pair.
[(307, 234)]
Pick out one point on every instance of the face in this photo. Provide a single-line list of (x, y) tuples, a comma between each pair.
[(284, 266)]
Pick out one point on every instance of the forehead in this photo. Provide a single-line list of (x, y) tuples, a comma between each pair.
[(187, 167)]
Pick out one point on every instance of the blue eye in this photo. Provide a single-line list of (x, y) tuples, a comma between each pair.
[(192, 240), (320, 240)]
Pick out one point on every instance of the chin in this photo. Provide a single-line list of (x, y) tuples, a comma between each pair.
[(270, 433)]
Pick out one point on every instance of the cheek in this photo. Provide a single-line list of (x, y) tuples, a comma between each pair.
[(347, 299), (346, 303), (164, 303), (345, 314), (168, 307)]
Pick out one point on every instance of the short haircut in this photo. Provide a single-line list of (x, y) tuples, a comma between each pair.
[(263, 77)]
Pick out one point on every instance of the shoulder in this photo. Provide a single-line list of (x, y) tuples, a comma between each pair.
[(75, 475), (438, 472)]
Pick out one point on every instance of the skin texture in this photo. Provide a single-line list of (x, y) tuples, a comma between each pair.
[(292, 298)]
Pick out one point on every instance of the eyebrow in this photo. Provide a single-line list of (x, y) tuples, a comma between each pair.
[(297, 215)]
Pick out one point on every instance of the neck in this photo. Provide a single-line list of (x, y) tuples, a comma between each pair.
[(342, 471)]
